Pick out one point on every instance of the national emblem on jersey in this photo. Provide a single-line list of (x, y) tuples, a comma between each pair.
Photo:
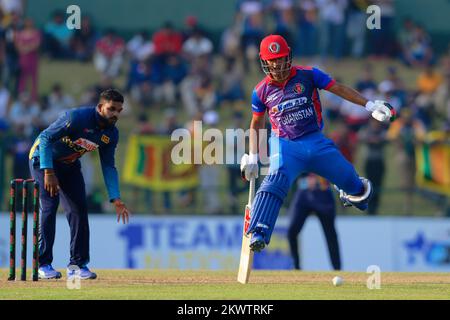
[(105, 139), (299, 88)]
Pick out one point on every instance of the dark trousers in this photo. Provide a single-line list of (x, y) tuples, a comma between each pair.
[(375, 172), (320, 202), (73, 197)]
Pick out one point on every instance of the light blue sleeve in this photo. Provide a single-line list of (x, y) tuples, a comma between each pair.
[(61, 127), (110, 174)]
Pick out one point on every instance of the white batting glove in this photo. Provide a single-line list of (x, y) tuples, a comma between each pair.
[(381, 110), (249, 166)]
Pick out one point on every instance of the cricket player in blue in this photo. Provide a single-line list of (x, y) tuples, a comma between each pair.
[(54, 163), (290, 96)]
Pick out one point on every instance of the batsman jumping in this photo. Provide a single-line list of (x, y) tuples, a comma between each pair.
[(55, 164), (290, 96)]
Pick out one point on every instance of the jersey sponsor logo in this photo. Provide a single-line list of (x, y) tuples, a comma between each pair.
[(86, 144), (272, 97), (290, 104), (81, 145), (296, 116), (299, 88), (274, 47), (105, 139)]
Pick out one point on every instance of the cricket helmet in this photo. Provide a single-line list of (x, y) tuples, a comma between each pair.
[(273, 47)]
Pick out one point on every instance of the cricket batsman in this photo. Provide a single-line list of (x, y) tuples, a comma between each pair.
[(290, 96), (54, 163)]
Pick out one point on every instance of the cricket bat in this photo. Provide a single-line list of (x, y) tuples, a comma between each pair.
[(246, 260)]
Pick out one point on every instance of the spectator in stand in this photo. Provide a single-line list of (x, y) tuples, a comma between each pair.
[(406, 35), (366, 83), (19, 147), (11, 71), (230, 42), (441, 99), (306, 44), (428, 83), (140, 49), (395, 85), (356, 26), (355, 117), (206, 94), (58, 101), (231, 86), (24, 112), (89, 96), (190, 25), (109, 54), (5, 101), (381, 40), (209, 174), (284, 17), (199, 71), (197, 45), (167, 41), (406, 132), (332, 27), (169, 124), (142, 83), (57, 37), (235, 147), (345, 139), (83, 41), (250, 18), (12, 6), (173, 73), (374, 137), (417, 51), (27, 43)]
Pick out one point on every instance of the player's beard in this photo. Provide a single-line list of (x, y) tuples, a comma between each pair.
[(108, 121), (280, 76), (112, 120)]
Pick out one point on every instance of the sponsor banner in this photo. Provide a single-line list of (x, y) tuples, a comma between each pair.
[(199, 242)]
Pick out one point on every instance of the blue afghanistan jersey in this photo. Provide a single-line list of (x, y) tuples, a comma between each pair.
[(294, 106), (74, 133)]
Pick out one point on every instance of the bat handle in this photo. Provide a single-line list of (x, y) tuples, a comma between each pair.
[(251, 193)]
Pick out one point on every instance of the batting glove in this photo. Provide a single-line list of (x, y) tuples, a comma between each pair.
[(381, 110), (249, 166)]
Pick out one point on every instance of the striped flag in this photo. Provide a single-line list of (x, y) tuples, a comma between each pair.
[(148, 164), (433, 166)]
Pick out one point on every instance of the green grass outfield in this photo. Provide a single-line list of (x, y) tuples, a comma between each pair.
[(222, 285)]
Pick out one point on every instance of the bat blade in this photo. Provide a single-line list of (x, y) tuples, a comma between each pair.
[(246, 259)]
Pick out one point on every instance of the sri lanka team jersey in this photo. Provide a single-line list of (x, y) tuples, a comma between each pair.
[(294, 107), (74, 133)]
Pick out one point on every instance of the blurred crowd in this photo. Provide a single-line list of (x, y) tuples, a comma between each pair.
[(186, 74)]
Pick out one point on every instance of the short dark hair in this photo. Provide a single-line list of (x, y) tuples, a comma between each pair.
[(111, 95)]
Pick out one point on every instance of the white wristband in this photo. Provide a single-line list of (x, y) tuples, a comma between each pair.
[(253, 158), (370, 106)]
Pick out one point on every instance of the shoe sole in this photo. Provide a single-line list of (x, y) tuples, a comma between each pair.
[(50, 278), (257, 246)]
